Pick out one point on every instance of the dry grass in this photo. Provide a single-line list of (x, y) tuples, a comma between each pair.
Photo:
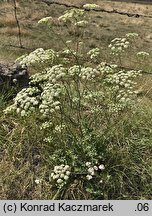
[(109, 25), (7, 20), (102, 30), (145, 86), (14, 31), (5, 6)]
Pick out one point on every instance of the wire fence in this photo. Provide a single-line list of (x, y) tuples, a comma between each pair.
[(135, 15)]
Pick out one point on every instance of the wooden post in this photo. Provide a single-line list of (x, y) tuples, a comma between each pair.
[(18, 24)]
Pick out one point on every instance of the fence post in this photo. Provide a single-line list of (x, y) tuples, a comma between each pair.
[(18, 24)]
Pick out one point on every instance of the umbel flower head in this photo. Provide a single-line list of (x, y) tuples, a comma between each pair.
[(60, 174), (91, 6), (94, 53), (25, 102), (72, 15), (142, 55), (132, 35), (45, 20), (118, 45), (81, 23), (93, 170), (38, 56), (49, 99)]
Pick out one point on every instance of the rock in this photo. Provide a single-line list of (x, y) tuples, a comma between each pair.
[(13, 75)]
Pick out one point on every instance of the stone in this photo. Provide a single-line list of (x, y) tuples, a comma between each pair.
[(13, 76)]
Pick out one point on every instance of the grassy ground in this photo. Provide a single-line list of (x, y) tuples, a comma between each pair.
[(24, 155)]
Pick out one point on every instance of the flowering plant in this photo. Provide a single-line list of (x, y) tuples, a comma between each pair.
[(76, 99)]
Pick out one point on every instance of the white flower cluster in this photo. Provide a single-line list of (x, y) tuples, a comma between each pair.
[(96, 109), (106, 69), (37, 56), (89, 73), (118, 45), (74, 70), (59, 128), (122, 85), (14, 81), (45, 20), (115, 108), (38, 181), (38, 78), (26, 101), (61, 174), (68, 41), (10, 109), (91, 6), (48, 139), (52, 74), (143, 55), (82, 23), (132, 36), (43, 93), (50, 99), (46, 125), (95, 96), (66, 61), (72, 15), (55, 74), (68, 52), (94, 53), (92, 169)]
